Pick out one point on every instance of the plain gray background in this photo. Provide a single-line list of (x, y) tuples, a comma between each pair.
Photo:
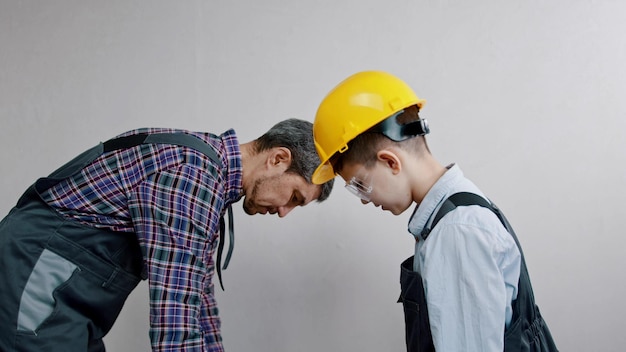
[(527, 96)]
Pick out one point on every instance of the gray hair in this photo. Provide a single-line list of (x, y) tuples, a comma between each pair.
[(297, 136)]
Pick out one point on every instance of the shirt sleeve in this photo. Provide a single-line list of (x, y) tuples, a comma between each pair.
[(465, 289), (176, 216)]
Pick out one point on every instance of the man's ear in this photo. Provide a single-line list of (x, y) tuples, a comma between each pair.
[(390, 159), (279, 157)]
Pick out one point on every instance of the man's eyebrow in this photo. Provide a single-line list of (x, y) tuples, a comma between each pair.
[(301, 198)]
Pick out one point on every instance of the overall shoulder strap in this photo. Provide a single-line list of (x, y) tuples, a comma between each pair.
[(185, 140), (460, 199), (455, 200), (182, 139), (466, 199), (524, 306)]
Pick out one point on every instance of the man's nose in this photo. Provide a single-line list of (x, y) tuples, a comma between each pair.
[(283, 211)]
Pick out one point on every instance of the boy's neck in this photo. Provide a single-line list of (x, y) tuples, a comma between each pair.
[(428, 171)]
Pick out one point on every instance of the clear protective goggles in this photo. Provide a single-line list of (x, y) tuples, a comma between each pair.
[(361, 187)]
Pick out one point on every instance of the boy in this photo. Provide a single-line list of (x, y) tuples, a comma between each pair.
[(368, 130)]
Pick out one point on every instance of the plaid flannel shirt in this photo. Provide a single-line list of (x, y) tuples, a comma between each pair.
[(168, 198)]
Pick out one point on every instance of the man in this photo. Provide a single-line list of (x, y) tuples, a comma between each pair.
[(476, 289), (147, 204)]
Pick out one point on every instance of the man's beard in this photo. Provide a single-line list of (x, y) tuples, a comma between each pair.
[(248, 205)]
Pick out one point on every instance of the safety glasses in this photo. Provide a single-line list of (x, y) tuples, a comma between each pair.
[(360, 188)]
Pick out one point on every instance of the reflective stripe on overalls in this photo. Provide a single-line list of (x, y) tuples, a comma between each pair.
[(527, 332), (64, 283)]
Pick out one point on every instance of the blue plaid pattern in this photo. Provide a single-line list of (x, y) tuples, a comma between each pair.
[(169, 197)]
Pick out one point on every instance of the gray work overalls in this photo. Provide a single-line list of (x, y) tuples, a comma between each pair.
[(64, 283), (527, 332)]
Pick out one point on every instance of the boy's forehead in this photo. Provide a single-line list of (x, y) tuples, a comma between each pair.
[(349, 169)]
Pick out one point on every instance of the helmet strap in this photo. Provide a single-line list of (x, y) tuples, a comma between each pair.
[(400, 132)]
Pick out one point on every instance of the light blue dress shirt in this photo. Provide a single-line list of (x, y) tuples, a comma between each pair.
[(470, 268)]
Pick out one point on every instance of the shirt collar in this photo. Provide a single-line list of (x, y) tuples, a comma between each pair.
[(435, 196), (234, 169)]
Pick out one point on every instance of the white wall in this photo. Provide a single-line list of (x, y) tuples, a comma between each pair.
[(526, 96)]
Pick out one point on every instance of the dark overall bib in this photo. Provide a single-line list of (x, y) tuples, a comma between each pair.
[(527, 332), (64, 283)]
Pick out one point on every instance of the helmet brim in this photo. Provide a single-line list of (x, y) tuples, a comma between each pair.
[(323, 173)]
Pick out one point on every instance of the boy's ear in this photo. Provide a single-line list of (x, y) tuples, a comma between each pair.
[(390, 159), (279, 157)]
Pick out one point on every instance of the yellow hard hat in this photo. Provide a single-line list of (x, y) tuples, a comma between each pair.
[(358, 103)]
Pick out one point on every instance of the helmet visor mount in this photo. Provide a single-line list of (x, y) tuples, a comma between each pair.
[(391, 129)]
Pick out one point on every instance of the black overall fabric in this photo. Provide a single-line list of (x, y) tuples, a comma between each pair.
[(527, 332), (102, 268), (416, 323)]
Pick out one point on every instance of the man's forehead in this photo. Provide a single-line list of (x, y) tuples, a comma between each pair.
[(309, 191), (300, 187)]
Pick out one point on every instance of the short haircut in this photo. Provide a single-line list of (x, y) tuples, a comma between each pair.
[(364, 147), (297, 136)]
